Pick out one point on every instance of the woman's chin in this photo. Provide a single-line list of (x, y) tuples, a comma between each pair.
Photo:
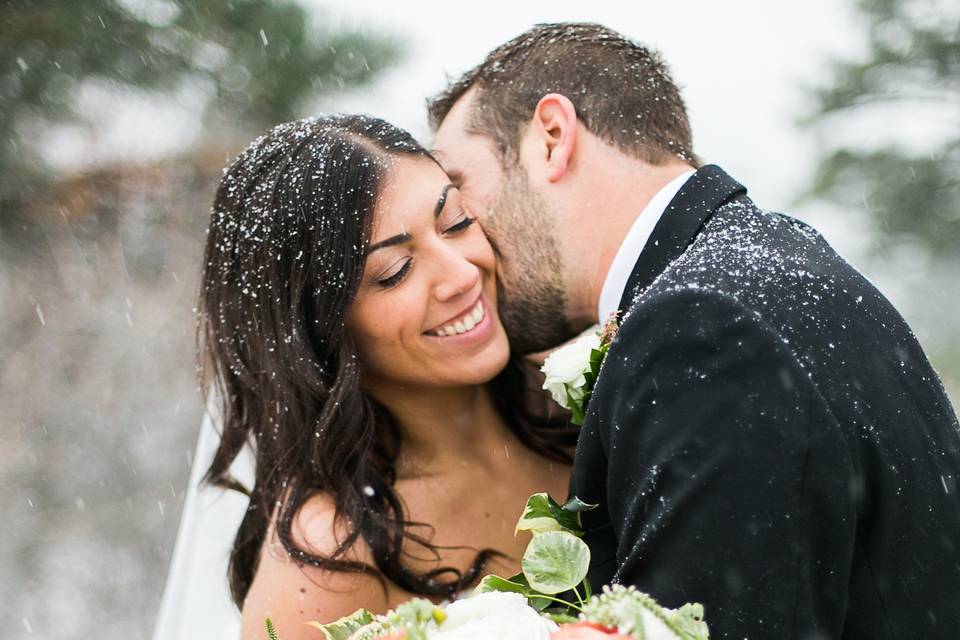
[(479, 368)]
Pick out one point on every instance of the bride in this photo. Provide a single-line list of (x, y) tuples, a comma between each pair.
[(348, 321)]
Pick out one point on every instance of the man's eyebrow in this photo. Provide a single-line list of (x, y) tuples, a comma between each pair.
[(390, 242), (442, 201)]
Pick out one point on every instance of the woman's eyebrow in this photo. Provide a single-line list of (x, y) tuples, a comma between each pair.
[(406, 237), (390, 242), (442, 201)]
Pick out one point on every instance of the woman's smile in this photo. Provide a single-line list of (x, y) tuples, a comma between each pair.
[(472, 325)]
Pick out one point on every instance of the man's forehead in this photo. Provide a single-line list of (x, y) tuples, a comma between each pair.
[(456, 121), (452, 142), (450, 147), (457, 145), (449, 165)]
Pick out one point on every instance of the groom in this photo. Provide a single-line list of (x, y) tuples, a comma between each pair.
[(766, 436)]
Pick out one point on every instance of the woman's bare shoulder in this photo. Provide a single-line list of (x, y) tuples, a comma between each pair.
[(292, 593)]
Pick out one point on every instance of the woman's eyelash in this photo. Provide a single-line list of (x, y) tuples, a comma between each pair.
[(460, 226), (394, 280)]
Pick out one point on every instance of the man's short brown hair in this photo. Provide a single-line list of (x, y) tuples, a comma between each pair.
[(621, 90)]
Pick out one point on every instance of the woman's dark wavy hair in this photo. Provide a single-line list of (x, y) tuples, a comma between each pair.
[(283, 261)]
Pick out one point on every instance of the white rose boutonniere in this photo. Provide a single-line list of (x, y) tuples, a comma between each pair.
[(571, 371)]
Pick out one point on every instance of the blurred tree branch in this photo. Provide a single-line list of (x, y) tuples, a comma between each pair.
[(99, 269), (260, 62), (913, 56), (897, 111)]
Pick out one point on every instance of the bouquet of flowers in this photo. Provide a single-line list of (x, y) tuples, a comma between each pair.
[(550, 599)]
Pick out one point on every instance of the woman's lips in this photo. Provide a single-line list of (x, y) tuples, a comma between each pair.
[(473, 323), (461, 323)]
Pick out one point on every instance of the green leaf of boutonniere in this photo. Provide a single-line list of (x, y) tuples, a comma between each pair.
[(590, 379), (576, 407), (596, 358)]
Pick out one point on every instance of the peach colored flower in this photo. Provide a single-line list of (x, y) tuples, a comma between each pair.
[(587, 631)]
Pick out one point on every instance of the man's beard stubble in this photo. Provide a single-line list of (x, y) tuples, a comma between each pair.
[(530, 287)]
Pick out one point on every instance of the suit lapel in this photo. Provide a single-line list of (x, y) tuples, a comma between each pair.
[(705, 191)]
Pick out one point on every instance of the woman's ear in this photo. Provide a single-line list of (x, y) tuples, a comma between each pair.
[(555, 128)]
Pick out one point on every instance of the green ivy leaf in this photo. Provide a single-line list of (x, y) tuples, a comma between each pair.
[(576, 505), (555, 561), (345, 626), (513, 584), (496, 583), (542, 513), (533, 600), (537, 516)]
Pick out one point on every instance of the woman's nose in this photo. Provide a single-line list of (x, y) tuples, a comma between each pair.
[(456, 276)]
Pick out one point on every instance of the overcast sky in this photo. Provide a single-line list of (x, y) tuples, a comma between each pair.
[(743, 66)]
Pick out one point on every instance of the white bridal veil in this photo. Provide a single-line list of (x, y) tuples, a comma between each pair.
[(196, 601)]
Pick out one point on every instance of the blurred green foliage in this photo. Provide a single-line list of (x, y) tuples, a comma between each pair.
[(99, 269), (259, 61), (912, 59)]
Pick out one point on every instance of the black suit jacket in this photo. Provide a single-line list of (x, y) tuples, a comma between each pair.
[(768, 438)]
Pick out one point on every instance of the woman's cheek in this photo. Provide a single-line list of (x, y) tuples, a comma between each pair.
[(366, 325), (394, 320), (404, 314)]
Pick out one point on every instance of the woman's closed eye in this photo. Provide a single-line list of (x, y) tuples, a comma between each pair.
[(390, 281), (396, 276), (462, 225)]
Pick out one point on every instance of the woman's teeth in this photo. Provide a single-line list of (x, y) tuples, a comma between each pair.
[(463, 324)]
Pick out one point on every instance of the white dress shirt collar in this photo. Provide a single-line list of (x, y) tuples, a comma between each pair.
[(633, 244)]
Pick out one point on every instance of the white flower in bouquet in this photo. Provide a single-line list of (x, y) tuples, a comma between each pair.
[(531, 604), (493, 614)]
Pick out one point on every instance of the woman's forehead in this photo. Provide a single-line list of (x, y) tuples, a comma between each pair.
[(411, 190)]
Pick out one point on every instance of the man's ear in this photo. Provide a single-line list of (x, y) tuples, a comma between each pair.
[(555, 127)]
